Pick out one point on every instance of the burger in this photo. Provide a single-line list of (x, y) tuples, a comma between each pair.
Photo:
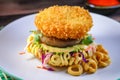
[(62, 39)]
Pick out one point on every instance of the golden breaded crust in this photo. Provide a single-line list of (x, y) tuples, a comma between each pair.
[(64, 22)]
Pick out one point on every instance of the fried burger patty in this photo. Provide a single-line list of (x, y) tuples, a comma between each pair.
[(64, 22), (58, 42)]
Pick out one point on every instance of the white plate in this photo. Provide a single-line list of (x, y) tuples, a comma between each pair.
[(13, 40)]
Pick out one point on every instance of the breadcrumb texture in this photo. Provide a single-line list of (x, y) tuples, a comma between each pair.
[(64, 22)]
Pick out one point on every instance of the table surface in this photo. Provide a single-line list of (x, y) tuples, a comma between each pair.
[(8, 15)]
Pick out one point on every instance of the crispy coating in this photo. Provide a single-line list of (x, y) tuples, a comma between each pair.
[(64, 22)]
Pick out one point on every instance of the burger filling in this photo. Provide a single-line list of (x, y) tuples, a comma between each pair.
[(61, 43)]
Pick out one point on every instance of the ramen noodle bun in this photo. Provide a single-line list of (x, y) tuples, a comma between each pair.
[(64, 22)]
